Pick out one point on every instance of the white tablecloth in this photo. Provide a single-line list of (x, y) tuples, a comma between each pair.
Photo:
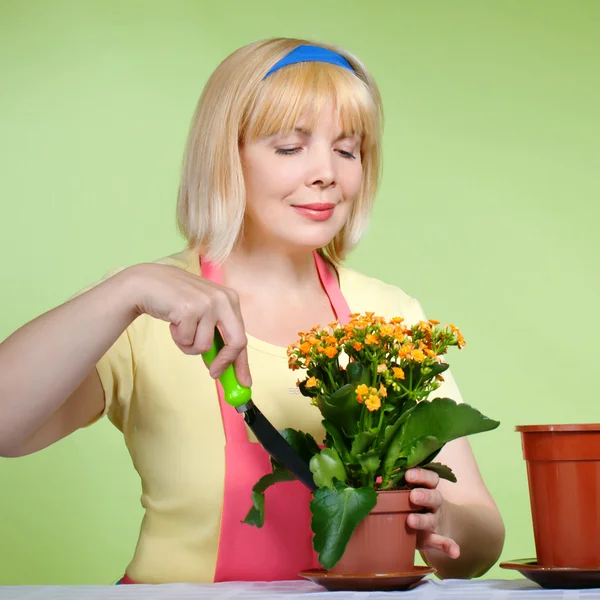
[(431, 589)]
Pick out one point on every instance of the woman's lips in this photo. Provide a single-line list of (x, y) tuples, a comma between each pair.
[(317, 211)]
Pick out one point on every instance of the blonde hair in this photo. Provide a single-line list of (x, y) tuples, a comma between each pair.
[(237, 106)]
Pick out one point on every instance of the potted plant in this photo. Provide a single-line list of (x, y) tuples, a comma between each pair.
[(371, 380)]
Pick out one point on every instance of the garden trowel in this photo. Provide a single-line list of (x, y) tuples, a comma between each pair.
[(240, 397)]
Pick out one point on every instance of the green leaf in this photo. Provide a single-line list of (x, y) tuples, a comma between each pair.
[(306, 446), (335, 515), (444, 419), (326, 466), (361, 442), (391, 431), (394, 451), (369, 461), (407, 405), (338, 438), (303, 443), (357, 373), (442, 470), (429, 458), (256, 514), (341, 408), (437, 369), (420, 449)]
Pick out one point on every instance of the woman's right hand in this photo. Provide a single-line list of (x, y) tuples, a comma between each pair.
[(193, 306)]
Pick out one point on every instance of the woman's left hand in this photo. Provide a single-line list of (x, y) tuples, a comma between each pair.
[(429, 524)]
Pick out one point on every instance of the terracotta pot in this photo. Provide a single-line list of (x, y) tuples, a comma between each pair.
[(563, 470), (382, 543)]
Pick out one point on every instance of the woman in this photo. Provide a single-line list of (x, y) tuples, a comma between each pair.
[(282, 161)]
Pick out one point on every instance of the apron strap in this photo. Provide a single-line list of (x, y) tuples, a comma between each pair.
[(328, 281)]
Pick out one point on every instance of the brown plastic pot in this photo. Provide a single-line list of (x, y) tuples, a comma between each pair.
[(382, 543), (563, 470)]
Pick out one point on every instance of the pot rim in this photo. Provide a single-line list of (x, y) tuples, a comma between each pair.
[(558, 427)]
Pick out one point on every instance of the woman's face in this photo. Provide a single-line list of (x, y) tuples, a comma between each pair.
[(300, 186)]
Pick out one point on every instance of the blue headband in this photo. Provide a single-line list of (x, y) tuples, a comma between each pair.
[(310, 54)]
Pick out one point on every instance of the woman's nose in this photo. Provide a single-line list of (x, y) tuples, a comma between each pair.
[(321, 172)]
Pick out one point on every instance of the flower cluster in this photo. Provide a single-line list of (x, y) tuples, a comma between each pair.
[(387, 348)]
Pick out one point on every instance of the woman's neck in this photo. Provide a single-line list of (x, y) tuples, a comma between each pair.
[(270, 268)]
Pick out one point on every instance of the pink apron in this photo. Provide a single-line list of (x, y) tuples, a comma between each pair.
[(283, 546)]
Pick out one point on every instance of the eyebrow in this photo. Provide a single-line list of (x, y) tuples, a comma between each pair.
[(342, 136)]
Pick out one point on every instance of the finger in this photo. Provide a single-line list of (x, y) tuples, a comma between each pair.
[(242, 368), (423, 477), (183, 332), (205, 333), (428, 498), (422, 521), (433, 541), (234, 336), (240, 364)]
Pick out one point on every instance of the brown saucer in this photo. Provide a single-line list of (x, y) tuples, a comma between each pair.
[(562, 578), (367, 582)]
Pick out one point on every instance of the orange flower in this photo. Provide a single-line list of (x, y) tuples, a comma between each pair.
[(387, 330), (425, 325), (439, 378), (330, 351), (312, 382), (398, 373), (331, 340), (434, 322), (461, 339), (312, 340), (320, 349), (405, 350), (430, 353), (372, 339), (382, 368), (354, 315), (357, 346), (373, 402), (293, 363), (399, 333), (397, 320), (305, 348), (418, 356), (382, 391), (362, 390)]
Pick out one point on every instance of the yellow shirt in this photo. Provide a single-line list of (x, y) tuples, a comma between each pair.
[(165, 403)]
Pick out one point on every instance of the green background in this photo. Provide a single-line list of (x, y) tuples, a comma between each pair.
[(488, 212)]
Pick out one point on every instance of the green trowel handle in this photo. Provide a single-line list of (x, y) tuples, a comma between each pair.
[(235, 394)]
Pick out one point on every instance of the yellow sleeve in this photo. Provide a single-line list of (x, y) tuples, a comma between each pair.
[(449, 388), (116, 370)]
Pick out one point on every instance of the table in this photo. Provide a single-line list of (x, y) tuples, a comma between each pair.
[(430, 589)]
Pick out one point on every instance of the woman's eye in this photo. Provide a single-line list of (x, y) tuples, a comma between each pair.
[(287, 151), (346, 154)]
